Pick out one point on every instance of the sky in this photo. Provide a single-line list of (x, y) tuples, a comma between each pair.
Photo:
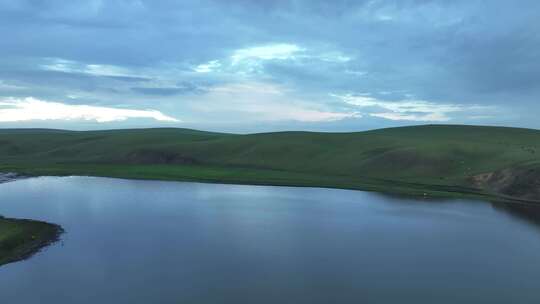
[(255, 66)]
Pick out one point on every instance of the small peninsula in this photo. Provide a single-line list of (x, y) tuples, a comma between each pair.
[(20, 239)]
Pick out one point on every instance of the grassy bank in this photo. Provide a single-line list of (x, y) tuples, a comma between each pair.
[(437, 160), (20, 239)]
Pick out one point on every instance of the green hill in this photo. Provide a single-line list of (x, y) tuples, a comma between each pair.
[(439, 160)]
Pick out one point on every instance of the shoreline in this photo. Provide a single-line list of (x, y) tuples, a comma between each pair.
[(6, 177), (247, 176)]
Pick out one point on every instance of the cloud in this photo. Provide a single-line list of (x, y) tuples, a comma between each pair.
[(263, 102), (281, 51), (435, 117), (7, 86), (408, 109), (250, 59), (285, 52), (356, 73), (28, 109), (210, 66), (183, 87), (69, 66), (455, 54), (253, 61), (336, 57), (160, 91)]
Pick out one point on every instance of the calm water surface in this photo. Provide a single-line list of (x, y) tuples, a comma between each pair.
[(166, 242)]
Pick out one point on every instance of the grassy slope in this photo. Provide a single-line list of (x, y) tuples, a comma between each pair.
[(19, 239), (439, 160)]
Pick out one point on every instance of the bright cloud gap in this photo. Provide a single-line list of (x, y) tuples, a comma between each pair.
[(251, 60), (406, 110), (27, 109), (69, 66), (264, 102), (281, 51)]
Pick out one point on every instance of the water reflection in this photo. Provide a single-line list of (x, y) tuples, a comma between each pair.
[(527, 212)]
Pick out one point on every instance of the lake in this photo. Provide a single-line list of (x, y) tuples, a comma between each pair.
[(130, 241)]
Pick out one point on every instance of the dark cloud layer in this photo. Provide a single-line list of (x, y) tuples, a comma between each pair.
[(457, 61)]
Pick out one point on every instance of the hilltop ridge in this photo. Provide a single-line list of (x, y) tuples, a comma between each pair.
[(442, 160)]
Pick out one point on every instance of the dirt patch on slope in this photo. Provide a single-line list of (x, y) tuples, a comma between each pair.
[(518, 182)]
